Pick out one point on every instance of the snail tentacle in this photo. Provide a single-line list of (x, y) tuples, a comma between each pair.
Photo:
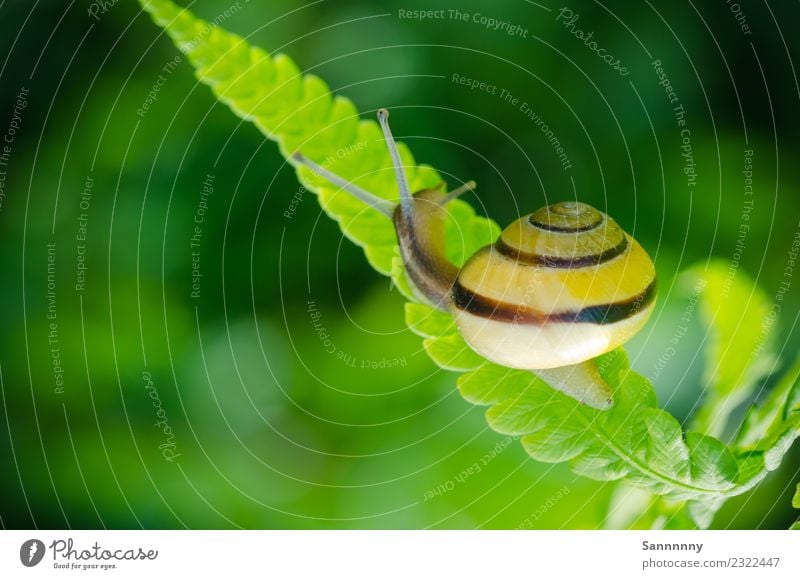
[(419, 221), (400, 174), (457, 192), (383, 205)]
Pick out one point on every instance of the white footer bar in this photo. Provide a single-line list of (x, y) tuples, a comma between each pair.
[(417, 554)]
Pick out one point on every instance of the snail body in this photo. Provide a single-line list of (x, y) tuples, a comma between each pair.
[(560, 286)]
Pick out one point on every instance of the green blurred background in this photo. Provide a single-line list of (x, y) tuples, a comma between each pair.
[(335, 418)]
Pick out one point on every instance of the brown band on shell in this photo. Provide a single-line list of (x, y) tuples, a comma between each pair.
[(500, 311), (565, 228), (595, 259), (567, 217)]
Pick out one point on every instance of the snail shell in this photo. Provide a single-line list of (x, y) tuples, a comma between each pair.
[(560, 286)]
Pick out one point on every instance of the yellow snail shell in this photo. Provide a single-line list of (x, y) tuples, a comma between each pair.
[(561, 286)]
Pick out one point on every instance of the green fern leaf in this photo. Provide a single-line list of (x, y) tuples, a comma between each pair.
[(427, 322), (765, 419), (740, 349)]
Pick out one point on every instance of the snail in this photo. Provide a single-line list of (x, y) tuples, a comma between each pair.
[(560, 286)]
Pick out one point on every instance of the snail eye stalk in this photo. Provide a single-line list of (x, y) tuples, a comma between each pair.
[(402, 181), (457, 192)]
